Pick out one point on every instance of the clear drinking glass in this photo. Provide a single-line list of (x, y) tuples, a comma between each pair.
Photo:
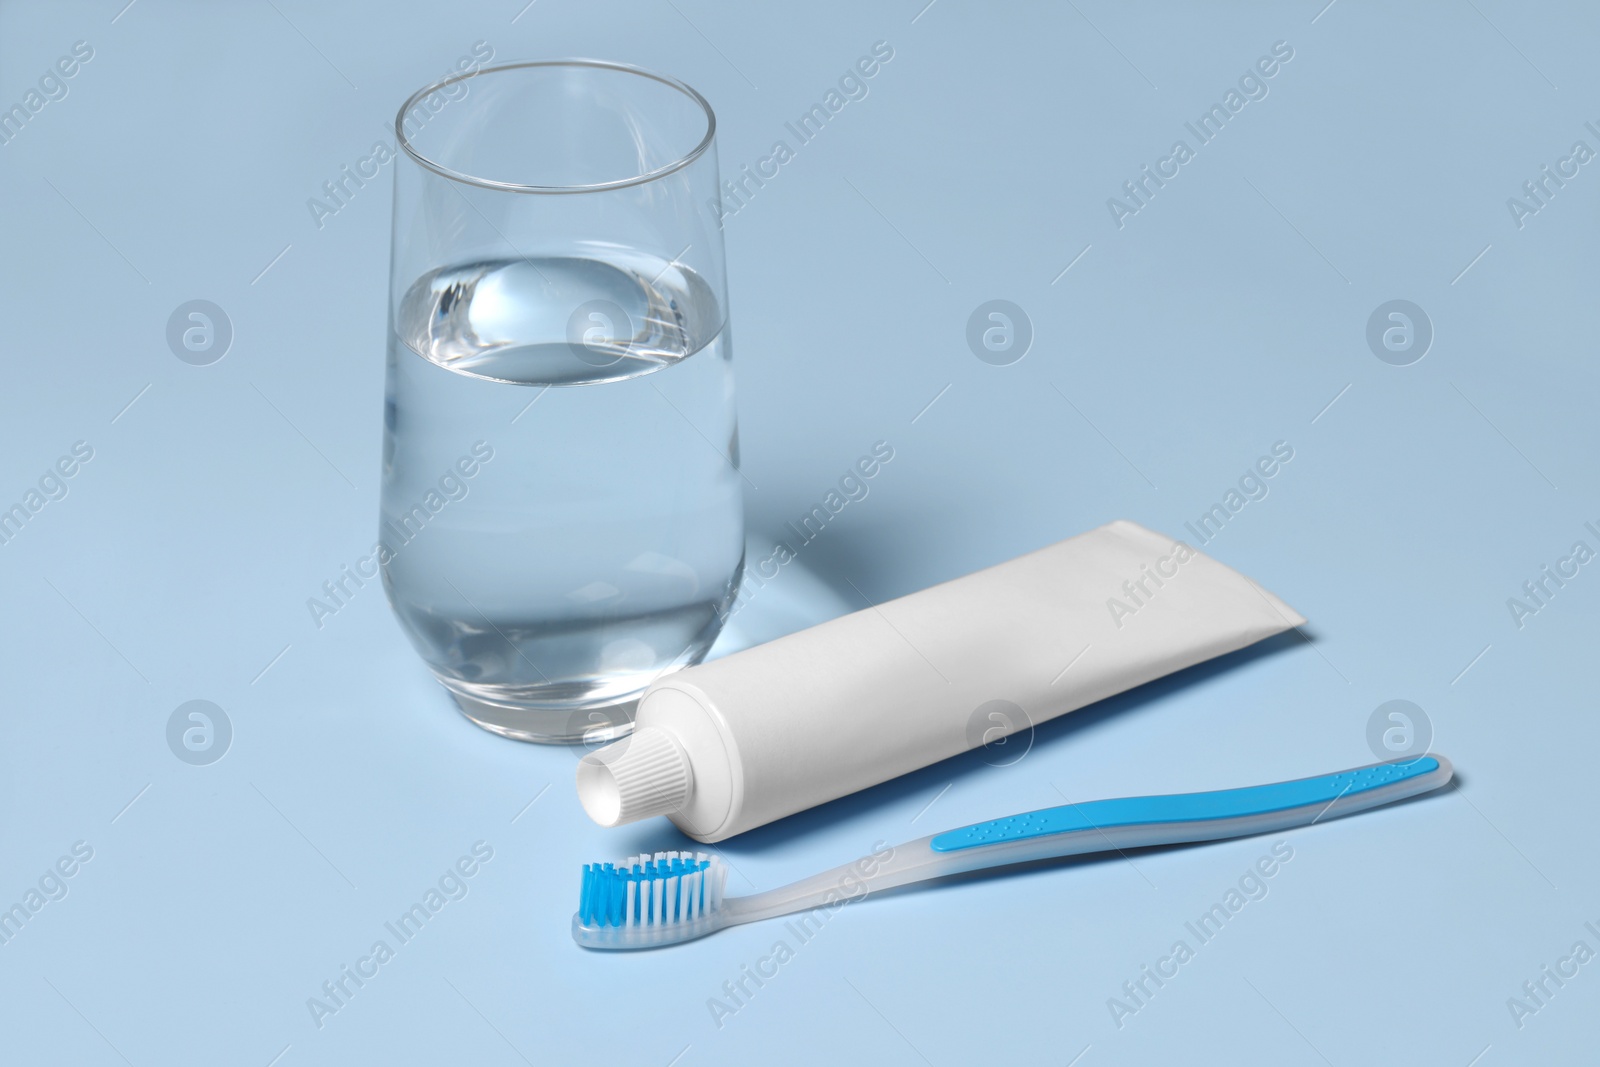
[(561, 517)]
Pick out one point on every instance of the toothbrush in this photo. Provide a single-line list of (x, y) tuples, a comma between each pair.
[(649, 901)]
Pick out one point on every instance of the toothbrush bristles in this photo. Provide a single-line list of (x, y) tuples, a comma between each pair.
[(651, 891)]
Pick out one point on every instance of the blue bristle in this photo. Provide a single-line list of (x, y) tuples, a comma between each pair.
[(603, 895), (608, 904)]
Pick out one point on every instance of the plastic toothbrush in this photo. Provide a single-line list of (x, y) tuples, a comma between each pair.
[(650, 901)]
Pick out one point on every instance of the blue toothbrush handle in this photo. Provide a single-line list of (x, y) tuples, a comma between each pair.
[(1106, 825), (1131, 822), (1071, 830)]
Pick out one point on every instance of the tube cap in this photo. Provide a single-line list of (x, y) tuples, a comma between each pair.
[(642, 775)]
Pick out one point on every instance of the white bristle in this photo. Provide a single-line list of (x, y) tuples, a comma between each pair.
[(627, 912)]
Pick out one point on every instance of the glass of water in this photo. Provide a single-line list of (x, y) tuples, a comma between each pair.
[(561, 517)]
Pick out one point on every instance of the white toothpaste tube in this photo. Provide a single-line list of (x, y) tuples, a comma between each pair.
[(733, 744)]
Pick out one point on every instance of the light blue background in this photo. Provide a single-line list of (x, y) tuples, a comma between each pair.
[(1225, 316)]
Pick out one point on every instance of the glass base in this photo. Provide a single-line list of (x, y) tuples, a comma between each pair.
[(589, 726)]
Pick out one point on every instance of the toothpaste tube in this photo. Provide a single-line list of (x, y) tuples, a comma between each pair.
[(733, 744)]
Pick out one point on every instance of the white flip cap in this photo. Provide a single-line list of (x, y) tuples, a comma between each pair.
[(644, 774)]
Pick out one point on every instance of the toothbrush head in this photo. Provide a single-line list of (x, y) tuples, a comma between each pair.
[(647, 901)]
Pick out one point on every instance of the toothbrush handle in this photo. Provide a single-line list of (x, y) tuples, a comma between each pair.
[(1107, 825), (1135, 822)]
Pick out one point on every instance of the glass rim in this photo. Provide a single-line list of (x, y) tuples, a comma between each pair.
[(514, 187)]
